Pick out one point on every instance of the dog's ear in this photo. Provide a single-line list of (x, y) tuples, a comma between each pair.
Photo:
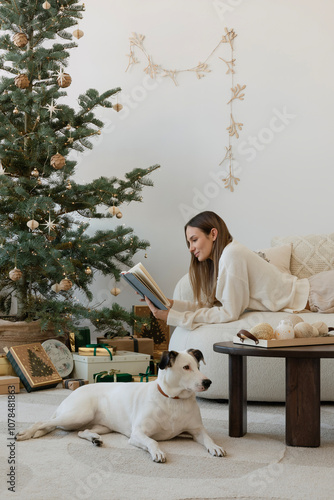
[(197, 354), (167, 359)]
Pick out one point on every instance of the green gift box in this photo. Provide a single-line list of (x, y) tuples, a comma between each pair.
[(112, 376), (147, 377), (80, 339)]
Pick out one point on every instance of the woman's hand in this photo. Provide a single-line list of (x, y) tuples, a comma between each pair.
[(158, 313)]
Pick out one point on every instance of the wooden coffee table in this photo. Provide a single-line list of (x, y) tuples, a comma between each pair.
[(302, 372)]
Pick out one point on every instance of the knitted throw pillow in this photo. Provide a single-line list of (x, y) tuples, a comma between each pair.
[(310, 255)]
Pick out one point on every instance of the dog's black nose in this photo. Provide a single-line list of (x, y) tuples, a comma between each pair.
[(206, 383)]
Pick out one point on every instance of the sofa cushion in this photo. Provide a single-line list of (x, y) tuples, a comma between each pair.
[(279, 256), (311, 254)]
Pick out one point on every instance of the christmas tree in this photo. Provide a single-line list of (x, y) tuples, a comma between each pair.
[(37, 366), (46, 254), (153, 330)]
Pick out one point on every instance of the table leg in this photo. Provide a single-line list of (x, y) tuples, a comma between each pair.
[(237, 395), (302, 402)]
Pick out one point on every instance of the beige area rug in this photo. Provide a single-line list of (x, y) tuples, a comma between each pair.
[(258, 466)]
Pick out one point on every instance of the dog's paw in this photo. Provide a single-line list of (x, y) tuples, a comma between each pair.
[(22, 436), (97, 442), (159, 457), (217, 451)]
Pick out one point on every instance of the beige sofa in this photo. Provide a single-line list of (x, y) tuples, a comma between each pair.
[(302, 256)]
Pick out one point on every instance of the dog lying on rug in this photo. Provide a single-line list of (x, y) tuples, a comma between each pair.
[(146, 413)]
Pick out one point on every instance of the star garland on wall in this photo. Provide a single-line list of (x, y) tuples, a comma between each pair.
[(202, 68)]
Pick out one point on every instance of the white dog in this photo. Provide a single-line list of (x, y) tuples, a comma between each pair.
[(145, 412)]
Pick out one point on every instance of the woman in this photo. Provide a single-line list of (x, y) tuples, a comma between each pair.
[(227, 278)]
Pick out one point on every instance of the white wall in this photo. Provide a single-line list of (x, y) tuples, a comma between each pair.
[(284, 52)]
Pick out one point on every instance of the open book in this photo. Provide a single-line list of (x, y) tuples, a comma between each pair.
[(139, 278)]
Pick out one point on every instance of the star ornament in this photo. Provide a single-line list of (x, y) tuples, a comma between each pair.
[(51, 108), (61, 76), (2, 170), (50, 224)]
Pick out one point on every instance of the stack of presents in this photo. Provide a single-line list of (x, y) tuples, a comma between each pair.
[(133, 358)]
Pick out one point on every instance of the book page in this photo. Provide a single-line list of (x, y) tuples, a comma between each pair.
[(144, 276)]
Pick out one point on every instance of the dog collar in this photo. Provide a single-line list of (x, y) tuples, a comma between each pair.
[(166, 395)]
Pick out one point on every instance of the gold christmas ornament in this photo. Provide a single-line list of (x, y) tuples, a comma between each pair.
[(46, 5), (113, 210), (78, 33), (117, 107), (20, 40), (35, 172), (115, 291), (64, 80), (88, 270), (15, 274), (119, 215), (32, 224), (56, 288), (57, 161), (22, 81), (68, 185), (16, 111), (65, 284)]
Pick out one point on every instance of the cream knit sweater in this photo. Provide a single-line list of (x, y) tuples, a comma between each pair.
[(245, 281)]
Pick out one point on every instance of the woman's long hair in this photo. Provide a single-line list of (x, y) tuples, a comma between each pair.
[(203, 275)]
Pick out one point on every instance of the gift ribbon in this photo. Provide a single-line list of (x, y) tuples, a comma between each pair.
[(96, 346), (146, 375), (107, 373)]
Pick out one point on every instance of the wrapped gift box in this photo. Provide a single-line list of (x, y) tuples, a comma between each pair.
[(148, 376), (5, 366), (74, 383), (134, 344), (144, 378), (112, 376), (124, 361), (97, 351), (80, 338), (9, 384)]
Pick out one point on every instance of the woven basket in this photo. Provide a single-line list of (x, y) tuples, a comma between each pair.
[(21, 332)]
